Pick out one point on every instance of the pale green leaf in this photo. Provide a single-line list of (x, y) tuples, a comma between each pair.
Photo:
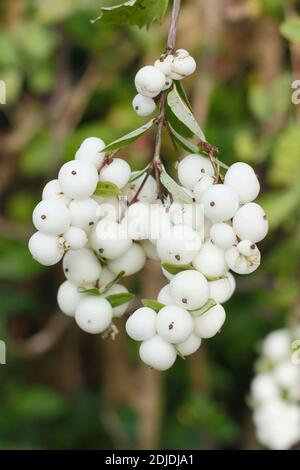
[(106, 188), (157, 306), (128, 138), (177, 192), (290, 29), (119, 299), (176, 268)]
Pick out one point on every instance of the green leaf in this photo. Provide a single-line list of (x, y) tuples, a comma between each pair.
[(182, 93), (207, 306), (177, 192), (16, 262), (136, 174), (290, 29), (157, 306), (119, 299), (128, 138), (183, 113), (89, 290), (285, 158), (105, 188), (134, 13), (281, 205), (176, 268), (183, 142)]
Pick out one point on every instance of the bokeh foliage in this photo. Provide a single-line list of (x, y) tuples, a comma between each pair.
[(68, 79)]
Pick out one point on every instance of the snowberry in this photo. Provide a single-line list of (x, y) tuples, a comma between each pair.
[(200, 187), (117, 172), (150, 250), (78, 179), (222, 235), (131, 261), (68, 298), (209, 323), (164, 296), (84, 213), (93, 314), (183, 64), (220, 202), (157, 353), (264, 387), (45, 249), (137, 221), (141, 325), (232, 281), (187, 214), (192, 168), (189, 289), (210, 260), (287, 375), (110, 209), (164, 64), (75, 238), (276, 345), (120, 309), (90, 150), (241, 177), (220, 290), (247, 248), (147, 194), (207, 226), (53, 192), (174, 324), (241, 264), (109, 239), (166, 273), (250, 222), (142, 105), (180, 245), (149, 81), (51, 217), (168, 83), (190, 345), (81, 267), (160, 223)]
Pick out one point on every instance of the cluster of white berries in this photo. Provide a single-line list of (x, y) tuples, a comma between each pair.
[(197, 255), (151, 80), (76, 224), (275, 391)]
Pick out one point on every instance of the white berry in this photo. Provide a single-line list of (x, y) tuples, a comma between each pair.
[(81, 267), (220, 203), (53, 192), (190, 345), (51, 217), (120, 309), (174, 324), (93, 314), (117, 172), (164, 296), (142, 105), (75, 238), (189, 289), (84, 213), (250, 222), (157, 353), (209, 323), (220, 290), (192, 168), (45, 248), (90, 151), (222, 235), (241, 177), (180, 245), (110, 239), (149, 81), (210, 261), (131, 261), (68, 298), (78, 179), (141, 325)]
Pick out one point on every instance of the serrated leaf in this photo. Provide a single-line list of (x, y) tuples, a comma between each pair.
[(128, 138), (134, 13), (207, 306), (290, 29), (183, 113), (176, 268), (157, 306), (119, 299), (177, 192), (89, 290), (106, 188)]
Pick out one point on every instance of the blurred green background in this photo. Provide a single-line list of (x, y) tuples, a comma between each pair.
[(68, 79)]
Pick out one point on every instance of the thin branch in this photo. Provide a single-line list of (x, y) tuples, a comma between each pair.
[(173, 25)]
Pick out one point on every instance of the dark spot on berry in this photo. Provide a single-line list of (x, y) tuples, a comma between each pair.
[(91, 223), (136, 108), (253, 246), (184, 301), (202, 170), (101, 250), (212, 204), (171, 325), (194, 200), (265, 217), (66, 270), (177, 257), (73, 172), (43, 217), (89, 321)]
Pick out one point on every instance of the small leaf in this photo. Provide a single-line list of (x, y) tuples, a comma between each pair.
[(134, 13), (157, 306), (183, 142), (207, 306), (183, 113), (106, 188), (182, 93), (119, 299), (136, 174), (177, 192), (176, 268), (90, 291), (128, 138), (290, 29), (113, 282)]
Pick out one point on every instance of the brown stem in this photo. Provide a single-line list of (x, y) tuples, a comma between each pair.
[(173, 25)]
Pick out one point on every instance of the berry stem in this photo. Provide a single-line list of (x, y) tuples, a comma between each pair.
[(173, 25)]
